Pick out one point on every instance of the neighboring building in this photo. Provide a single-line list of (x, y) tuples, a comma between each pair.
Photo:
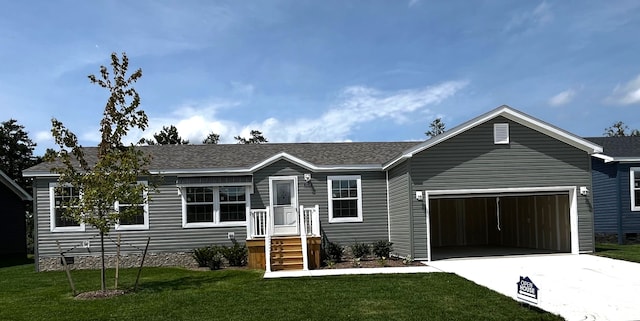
[(616, 187), (13, 233), (502, 180)]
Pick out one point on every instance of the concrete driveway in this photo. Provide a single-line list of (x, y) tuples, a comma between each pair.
[(577, 287)]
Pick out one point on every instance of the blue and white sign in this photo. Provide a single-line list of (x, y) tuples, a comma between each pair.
[(527, 290)]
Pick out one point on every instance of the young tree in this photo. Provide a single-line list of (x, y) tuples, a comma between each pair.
[(167, 136), (212, 138), (114, 174), (619, 129), (16, 151), (436, 128), (256, 138)]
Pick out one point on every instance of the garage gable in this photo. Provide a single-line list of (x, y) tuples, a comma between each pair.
[(500, 130)]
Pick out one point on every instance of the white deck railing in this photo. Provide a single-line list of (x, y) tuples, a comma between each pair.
[(260, 226), (257, 227)]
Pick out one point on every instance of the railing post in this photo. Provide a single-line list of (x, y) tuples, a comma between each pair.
[(250, 224), (303, 239), (267, 242), (315, 221)]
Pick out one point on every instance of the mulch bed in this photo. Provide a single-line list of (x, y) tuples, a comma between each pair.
[(371, 263)]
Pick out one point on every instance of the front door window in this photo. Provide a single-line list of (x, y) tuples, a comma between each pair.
[(285, 216)]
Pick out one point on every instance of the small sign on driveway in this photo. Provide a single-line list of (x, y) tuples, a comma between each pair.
[(527, 290)]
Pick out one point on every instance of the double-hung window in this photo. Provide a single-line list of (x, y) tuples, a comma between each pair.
[(208, 206), (62, 199), (140, 218), (634, 176), (345, 198)]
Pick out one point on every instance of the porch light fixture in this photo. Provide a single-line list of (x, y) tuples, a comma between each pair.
[(307, 177)]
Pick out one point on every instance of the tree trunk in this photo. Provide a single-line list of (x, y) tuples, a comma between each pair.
[(103, 279)]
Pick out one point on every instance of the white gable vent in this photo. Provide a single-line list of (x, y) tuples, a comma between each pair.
[(501, 133)]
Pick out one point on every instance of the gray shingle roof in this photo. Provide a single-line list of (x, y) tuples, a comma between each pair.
[(225, 156), (627, 146)]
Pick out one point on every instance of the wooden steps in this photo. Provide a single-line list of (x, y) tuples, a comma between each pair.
[(286, 253)]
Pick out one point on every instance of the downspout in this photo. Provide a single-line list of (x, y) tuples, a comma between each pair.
[(619, 204), (412, 249), (34, 212)]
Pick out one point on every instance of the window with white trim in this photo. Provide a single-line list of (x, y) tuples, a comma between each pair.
[(207, 206), (345, 198), (61, 200), (139, 220), (634, 176)]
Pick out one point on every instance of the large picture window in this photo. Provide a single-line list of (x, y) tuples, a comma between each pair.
[(62, 199), (345, 198), (634, 176), (205, 206), (138, 221)]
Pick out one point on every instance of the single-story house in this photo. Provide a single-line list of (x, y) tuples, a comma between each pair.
[(13, 232), (616, 187), (502, 180)]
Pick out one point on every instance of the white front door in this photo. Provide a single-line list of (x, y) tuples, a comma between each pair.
[(284, 203)]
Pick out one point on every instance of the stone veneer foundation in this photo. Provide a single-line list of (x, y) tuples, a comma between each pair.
[(180, 259)]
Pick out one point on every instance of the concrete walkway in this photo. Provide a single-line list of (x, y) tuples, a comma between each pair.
[(577, 287)]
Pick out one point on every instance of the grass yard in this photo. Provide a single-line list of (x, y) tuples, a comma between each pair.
[(629, 252), (180, 294)]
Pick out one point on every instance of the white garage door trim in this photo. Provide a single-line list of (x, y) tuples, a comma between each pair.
[(573, 206)]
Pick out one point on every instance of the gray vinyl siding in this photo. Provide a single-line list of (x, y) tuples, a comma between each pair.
[(400, 210), (374, 207), (612, 198), (165, 228), (472, 161)]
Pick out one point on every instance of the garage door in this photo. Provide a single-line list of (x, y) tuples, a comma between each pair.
[(538, 221)]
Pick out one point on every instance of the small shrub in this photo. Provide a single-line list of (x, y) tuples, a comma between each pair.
[(334, 252), (216, 261), (236, 254), (355, 262), (407, 260), (203, 255), (382, 248), (360, 249), (382, 262)]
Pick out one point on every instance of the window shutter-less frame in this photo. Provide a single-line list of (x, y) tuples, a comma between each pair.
[(501, 133)]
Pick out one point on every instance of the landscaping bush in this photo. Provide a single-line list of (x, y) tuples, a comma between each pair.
[(360, 249), (203, 255), (236, 255), (209, 256), (382, 249), (333, 252)]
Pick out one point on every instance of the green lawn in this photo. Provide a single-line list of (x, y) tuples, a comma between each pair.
[(180, 294), (630, 252)]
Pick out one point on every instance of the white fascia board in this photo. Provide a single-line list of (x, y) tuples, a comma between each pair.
[(605, 158), (551, 130), (626, 159), (13, 186), (508, 113), (40, 174)]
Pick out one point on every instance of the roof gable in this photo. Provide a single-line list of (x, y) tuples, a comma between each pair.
[(14, 187), (511, 114)]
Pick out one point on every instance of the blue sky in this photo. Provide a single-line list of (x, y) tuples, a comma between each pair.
[(322, 70)]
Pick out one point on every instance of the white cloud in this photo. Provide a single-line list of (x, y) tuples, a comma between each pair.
[(562, 98), (524, 22), (354, 106), (626, 94)]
